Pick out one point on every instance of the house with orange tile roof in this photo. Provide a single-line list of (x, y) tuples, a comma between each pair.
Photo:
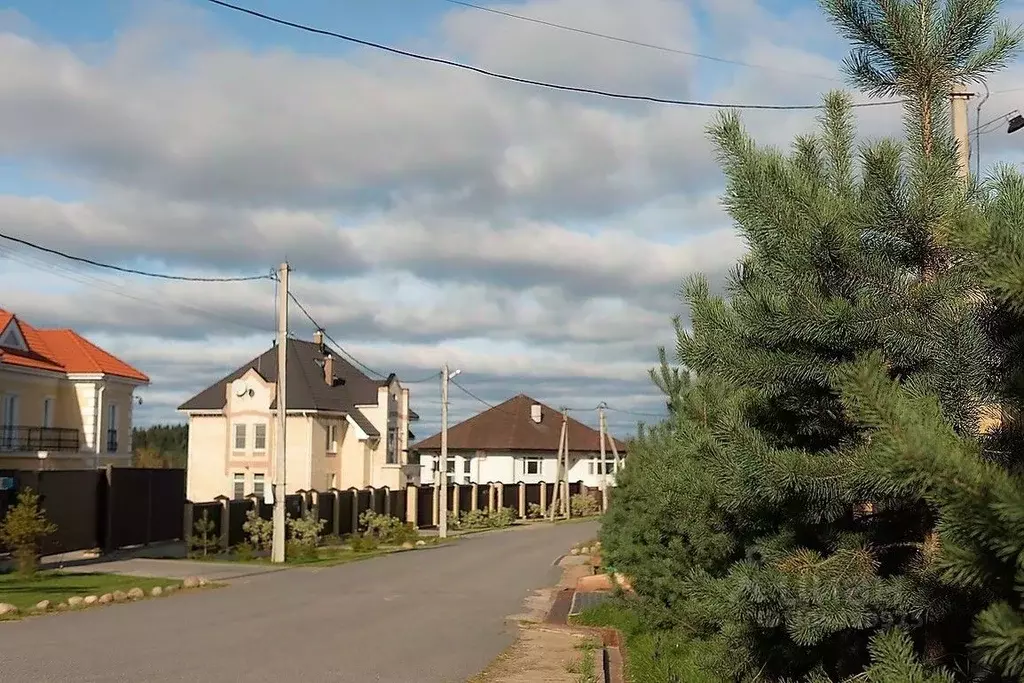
[(65, 403)]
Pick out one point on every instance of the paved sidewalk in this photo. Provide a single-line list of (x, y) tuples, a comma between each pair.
[(436, 616)]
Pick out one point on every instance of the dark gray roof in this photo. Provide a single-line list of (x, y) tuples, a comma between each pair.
[(307, 389)]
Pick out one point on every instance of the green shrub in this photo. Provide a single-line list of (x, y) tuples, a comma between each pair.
[(260, 531), (501, 518), (535, 511), (298, 551), (24, 526), (244, 551), (387, 529), (364, 544), (475, 519), (204, 538), (584, 505), (306, 530)]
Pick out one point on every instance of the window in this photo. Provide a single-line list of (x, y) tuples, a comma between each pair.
[(239, 486), (594, 466), (467, 465), (392, 452), (239, 437), (332, 438), (532, 466), (451, 465), (47, 412), (112, 428), (259, 437), (257, 485), (9, 420)]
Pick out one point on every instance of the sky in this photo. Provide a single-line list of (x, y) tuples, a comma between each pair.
[(534, 239)]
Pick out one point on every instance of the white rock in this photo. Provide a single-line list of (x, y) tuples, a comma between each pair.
[(120, 596), (7, 609), (90, 600), (421, 543), (106, 598), (585, 550), (191, 582), (170, 589), (575, 551), (75, 601), (203, 582), (157, 591), (136, 594), (43, 606), (408, 545)]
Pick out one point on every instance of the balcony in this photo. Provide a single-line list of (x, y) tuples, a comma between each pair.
[(111, 441), (24, 438)]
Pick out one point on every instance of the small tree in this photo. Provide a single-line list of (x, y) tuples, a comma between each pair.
[(204, 537), (260, 531), (23, 528)]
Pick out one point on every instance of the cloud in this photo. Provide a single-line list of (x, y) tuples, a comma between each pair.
[(534, 238)]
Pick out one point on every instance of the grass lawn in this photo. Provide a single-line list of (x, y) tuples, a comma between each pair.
[(58, 587), (327, 555), (650, 657)]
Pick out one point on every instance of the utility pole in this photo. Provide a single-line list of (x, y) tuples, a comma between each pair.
[(442, 468), (958, 110), (278, 538), (566, 508), (604, 466), (556, 494)]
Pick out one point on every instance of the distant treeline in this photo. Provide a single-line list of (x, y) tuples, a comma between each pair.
[(160, 446)]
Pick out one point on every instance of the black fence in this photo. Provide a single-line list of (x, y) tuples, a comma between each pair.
[(106, 509)]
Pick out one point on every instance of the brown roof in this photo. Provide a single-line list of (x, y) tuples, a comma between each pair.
[(307, 389), (509, 427)]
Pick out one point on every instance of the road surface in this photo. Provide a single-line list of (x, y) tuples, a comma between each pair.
[(430, 616)]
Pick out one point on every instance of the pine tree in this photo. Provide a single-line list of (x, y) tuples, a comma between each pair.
[(848, 255), (673, 381)]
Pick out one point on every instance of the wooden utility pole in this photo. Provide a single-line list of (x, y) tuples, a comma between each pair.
[(278, 537), (555, 497), (958, 111), (566, 509), (604, 465), (442, 468)]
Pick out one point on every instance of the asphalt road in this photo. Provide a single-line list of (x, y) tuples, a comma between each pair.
[(435, 615)]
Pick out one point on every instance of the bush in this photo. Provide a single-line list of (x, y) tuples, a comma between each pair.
[(501, 518), (300, 551), (24, 526), (260, 531), (387, 529), (584, 505), (364, 544), (476, 519), (535, 511), (307, 529), (244, 551), (204, 538)]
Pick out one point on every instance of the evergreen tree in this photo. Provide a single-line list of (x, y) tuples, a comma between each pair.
[(673, 381), (847, 256)]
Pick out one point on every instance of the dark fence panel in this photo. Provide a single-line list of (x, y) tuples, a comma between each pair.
[(293, 505), (346, 503), (379, 501), (466, 498), (532, 495), (166, 503), (72, 500), (425, 506), (214, 511), (144, 506), (398, 504), (364, 502), (483, 491), (510, 496), (549, 490), (325, 511), (237, 510), (575, 487), (266, 510)]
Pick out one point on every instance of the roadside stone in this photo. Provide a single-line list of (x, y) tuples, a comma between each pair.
[(106, 599), (119, 596), (170, 589), (43, 606), (203, 583), (408, 545), (75, 601), (585, 550), (420, 543), (575, 551), (136, 594), (90, 600), (7, 610), (62, 607), (191, 582), (157, 591)]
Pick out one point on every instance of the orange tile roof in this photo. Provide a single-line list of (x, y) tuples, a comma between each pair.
[(62, 351)]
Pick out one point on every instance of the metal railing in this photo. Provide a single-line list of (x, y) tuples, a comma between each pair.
[(26, 438), (111, 441)]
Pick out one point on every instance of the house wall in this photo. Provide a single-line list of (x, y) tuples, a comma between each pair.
[(380, 471), (510, 467)]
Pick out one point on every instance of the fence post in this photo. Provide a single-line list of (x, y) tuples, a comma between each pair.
[(490, 497), (474, 493), (434, 502), (337, 511), (355, 511), (387, 500), (455, 498), (109, 540), (314, 503), (500, 490), (412, 505), (522, 500), (543, 499), (225, 522), (188, 522)]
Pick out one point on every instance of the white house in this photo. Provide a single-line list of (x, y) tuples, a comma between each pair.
[(517, 441), (343, 428)]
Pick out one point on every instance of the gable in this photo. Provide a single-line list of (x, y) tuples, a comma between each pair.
[(12, 338)]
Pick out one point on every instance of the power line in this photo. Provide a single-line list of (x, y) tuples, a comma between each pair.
[(130, 271), (633, 412), (318, 326), (637, 43), (529, 81)]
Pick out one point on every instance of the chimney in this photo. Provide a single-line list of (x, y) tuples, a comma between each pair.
[(318, 337), (329, 369), (535, 412)]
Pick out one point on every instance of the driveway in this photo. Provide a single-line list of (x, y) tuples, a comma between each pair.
[(432, 616)]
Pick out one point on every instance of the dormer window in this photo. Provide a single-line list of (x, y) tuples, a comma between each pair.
[(11, 337)]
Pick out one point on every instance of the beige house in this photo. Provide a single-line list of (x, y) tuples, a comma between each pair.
[(65, 403), (343, 428)]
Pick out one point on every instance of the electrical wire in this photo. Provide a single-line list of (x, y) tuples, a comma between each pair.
[(130, 271), (318, 326), (637, 43), (529, 81)]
